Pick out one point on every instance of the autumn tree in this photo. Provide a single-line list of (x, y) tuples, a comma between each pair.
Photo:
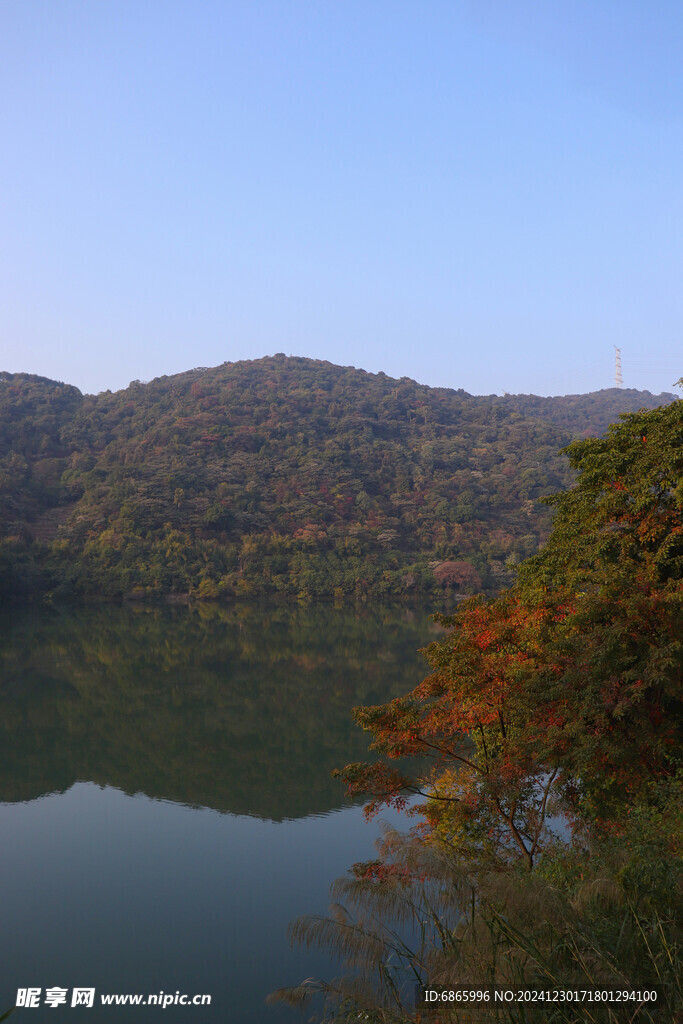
[(565, 688)]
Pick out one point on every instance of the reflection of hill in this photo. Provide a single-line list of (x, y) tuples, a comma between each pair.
[(243, 710)]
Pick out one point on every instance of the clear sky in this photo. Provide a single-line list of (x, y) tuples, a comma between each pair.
[(474, 193)]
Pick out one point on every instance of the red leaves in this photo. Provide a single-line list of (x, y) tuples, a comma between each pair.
[(485, 639), (378, 780), (382, 872)]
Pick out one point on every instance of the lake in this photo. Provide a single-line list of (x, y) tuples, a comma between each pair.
[(167, 806)]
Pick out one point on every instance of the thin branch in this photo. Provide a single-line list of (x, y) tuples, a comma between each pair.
[(546, 791), (515, 833), (456, 757)]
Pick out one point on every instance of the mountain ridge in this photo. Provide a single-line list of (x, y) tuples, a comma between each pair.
[(6, 375), (283, 475)]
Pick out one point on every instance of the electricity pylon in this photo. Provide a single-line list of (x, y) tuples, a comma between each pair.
[(618, 379)]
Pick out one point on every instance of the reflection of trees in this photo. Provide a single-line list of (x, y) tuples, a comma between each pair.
[(243, 709)]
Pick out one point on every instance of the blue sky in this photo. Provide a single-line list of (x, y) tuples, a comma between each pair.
[(472, 193)]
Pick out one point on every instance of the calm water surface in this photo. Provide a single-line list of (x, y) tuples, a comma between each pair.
[(167, 807)]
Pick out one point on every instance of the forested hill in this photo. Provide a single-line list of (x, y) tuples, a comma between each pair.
[(281, 475)]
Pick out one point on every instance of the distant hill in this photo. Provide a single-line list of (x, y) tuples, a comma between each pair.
[(280, 475)]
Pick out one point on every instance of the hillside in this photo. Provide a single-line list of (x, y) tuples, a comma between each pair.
[(280, 475)]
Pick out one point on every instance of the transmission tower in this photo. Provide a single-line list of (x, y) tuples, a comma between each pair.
[(618, 379)]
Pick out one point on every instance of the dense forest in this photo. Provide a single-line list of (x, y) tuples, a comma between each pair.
[(283, 476)]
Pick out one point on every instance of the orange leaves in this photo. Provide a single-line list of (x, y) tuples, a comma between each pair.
[(477, 720), (485, 639)]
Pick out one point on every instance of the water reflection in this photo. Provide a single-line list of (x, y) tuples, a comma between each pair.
[(243, 709)]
